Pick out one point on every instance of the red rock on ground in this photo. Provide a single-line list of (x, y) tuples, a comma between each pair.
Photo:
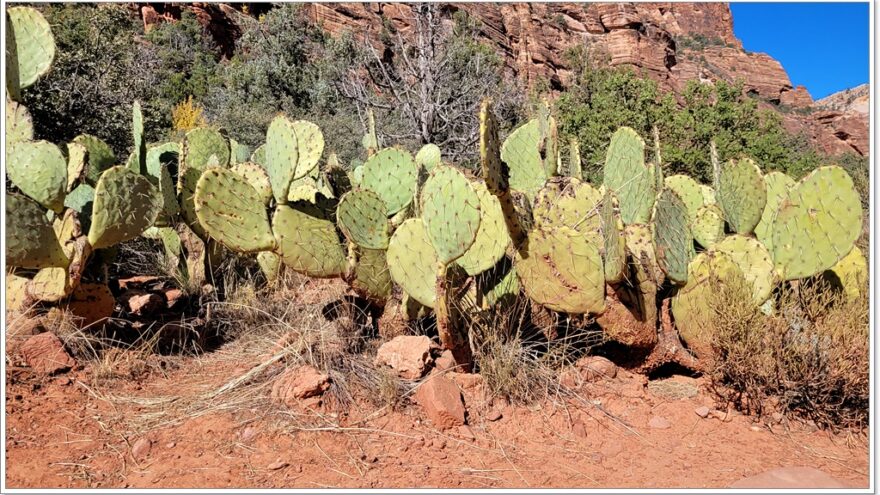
[(408, 355), (45, 354), (790, 477), (300, 383), (141, 302), (441, 400)]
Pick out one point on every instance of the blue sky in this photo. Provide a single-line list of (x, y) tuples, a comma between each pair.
[(823, 46)]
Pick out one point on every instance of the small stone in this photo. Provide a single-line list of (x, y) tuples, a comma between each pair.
[(659, 423), (493, 415), (170, 445), (778, 417), (172, 297), (595, 368), (45, 354), (299, 383), (275, 466), (702, 411), (142, 303), (441, 400), (141, 448), (63, 380), (248, 434), (466, 433), (790, 477), (445, 361), (408, 355)]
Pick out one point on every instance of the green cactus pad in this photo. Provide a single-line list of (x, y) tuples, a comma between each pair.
[(34, 44), (256, 176), (259, 156), (30, 239), (76, 164), (522, 154), (139, 163), (310, 147), (50, 284), (568, 202), (413, 262), (393, 175), (778, 185), (361, 218), (692, 304), (39, 170), (562, 271), (708, 225), (492, 239), (307, 240), (357, 175), (673, 239), (232, 212), (754, 262), (270, 265), (370, 141), (627, 176), (657, 173), (80, 200), (614, 244), (282, 157), (492, 168), (639, 239), (16, 292), (817, 224), (688, 190), (303, 189), (451, 212), (851, 273), (100, 157), (159, 159), (741, 194), (428, 157), (125, 205), (372, 277), (708, 194), (204, 147), (500, 289), (19, 125), (240, 153)]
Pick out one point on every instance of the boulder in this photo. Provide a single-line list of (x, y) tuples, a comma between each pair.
[(440, 398), (408, 355)]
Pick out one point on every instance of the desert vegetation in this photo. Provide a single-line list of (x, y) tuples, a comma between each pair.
[(327, 211)]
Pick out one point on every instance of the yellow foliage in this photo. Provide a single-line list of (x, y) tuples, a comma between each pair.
[(187, 115)]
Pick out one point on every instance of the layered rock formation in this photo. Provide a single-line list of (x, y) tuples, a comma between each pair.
[(672, 43)]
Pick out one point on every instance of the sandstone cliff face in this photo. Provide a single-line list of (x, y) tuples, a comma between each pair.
[(672, 43)]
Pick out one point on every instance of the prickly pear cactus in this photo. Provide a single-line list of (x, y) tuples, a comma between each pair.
[(574, 160), (778, 185), (34, 47), (16, 292), (393, 175), (708, 225), (361, 216), (817, 224), (753, 260), (372, 278), (308, 241), (39, 170), (76, 164), (80, 200), (688, 190), (232, 212), (282, 157), (562, 271), (158, 160), (125, 205), (139, 161), (428, 157), (851, 273), (370, 141), (413, 262), (451, 212), (741, 194), (568, 202), (492, 240), (673, 238), (240, 153), (259, 156), (202, 148), (270, 265), (692, 304), (19, 125), (100, 157), (639, 239), (309, 145), (30, 239), (614, 244), (628, 177), (708, 194), (50, 284), (521, 153), (256, 176)]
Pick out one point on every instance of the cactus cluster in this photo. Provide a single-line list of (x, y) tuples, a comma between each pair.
[(638, 242)]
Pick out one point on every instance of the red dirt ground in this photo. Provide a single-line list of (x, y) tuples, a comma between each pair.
[(68, 432)]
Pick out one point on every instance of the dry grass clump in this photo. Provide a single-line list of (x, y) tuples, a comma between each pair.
[(809, 358)]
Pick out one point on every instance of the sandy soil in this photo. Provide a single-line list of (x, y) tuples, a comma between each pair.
[(71, 431)]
